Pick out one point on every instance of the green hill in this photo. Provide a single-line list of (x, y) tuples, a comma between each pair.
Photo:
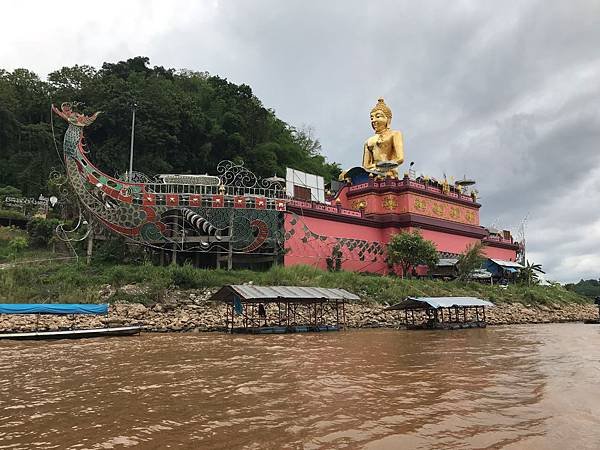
[(186, 122)]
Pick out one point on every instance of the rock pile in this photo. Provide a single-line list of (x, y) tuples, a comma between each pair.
[(192, 311)]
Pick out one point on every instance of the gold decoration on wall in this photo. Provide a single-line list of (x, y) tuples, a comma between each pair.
[(420, 204), (359, 203), (470, 216), (390, 203), (438, 209), (454, 212)]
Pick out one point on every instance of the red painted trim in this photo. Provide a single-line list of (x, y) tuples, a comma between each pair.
[(218, 201), (195, 200), (172, 199), (397, 221), (119, 229), (506, 245), (260, 203), (382, 189), (149, 199), (239, 201)]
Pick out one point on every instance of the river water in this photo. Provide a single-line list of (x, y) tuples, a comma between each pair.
[(517, 387)]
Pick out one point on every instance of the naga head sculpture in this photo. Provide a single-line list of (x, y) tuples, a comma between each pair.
[(72, 117)]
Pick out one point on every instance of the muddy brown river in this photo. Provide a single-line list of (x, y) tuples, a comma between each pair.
[(516, 387)]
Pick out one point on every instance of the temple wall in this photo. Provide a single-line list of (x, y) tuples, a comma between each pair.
[(446, 242), (312, 240), (505, 254), (408, 196)]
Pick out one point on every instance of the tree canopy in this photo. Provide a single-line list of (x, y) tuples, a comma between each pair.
[(186, 122), (471, 259), (410, 250), (529, 273), (589, 288)]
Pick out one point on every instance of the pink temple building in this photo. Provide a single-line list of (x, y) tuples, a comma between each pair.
[(357, 224)]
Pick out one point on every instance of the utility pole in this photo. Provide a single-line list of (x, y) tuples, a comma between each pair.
[(131, 148)]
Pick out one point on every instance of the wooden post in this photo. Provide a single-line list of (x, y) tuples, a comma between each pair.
[(90, 246), (227, 317)]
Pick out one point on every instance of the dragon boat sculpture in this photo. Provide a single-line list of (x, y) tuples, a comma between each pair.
[(233, 211)]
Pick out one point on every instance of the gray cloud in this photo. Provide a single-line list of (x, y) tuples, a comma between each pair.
[(506, 93)]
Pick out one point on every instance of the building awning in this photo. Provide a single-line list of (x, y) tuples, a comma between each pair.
[(438, 302), (52, 308), (507, 264), (511, 269), (251, 293)]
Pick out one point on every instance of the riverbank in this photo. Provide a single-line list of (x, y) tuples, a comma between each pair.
[(193, 311), (69, 282)]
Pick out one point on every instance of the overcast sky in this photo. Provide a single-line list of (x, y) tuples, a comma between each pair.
[(505, 92)]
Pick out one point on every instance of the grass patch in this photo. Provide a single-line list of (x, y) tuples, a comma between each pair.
[(77, 282)]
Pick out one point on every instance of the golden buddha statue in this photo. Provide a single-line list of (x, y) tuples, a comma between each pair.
[(384, 151)]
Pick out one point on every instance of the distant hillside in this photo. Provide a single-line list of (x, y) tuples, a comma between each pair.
[(589, 288), (186, 122)]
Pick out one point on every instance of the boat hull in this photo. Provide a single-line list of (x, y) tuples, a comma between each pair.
[(74, 334)]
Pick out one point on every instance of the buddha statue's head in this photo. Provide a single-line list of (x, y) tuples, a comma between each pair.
[(381, 116)]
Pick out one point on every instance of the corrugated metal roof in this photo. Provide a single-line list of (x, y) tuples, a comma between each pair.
[(480, 274), (502, 263), (447, 262), (438, 302), (251, 292)]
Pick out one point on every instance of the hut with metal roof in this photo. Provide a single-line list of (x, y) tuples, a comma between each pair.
[(422, 313), (502, 270), (283, 309), (445, 268)]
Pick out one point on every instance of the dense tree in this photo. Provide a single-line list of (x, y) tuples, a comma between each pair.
[(471, 259), (529, 273), (589, 288), (186, 122), (410, 250)]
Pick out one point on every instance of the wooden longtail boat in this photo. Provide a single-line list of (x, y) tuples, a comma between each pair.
[(64, 309)]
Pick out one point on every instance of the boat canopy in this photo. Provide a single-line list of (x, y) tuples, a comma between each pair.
[(286, 294), (438, 302), (52, 308)]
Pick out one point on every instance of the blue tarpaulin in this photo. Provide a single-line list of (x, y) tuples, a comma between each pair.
[(237, 303), (52, 308)]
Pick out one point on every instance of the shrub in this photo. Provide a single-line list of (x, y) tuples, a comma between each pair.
[(411, 250), (117, 251), (10, 214), (41, 231), (185, 276), (17, 245)]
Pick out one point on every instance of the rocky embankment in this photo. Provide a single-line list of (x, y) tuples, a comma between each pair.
[(193, 311)]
